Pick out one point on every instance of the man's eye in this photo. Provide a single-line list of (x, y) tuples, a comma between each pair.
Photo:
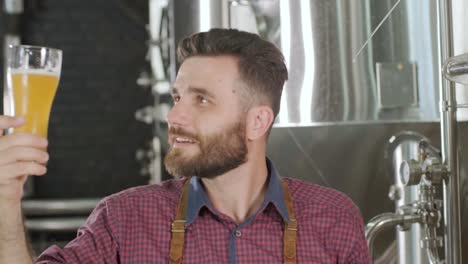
[(202, 99), (176, 98)]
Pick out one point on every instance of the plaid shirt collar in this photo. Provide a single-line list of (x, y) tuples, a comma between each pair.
[(274, 194)]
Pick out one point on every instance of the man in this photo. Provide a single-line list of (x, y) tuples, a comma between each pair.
[(229, 205)]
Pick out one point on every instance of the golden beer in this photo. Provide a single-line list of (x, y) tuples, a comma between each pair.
[(33, 94)]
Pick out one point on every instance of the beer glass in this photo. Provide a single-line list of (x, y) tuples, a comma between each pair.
[(32, 77)]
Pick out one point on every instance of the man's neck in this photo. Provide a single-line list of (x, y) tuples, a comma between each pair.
[(240, 192)]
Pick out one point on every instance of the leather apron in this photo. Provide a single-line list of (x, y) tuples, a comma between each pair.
[(176, 250)]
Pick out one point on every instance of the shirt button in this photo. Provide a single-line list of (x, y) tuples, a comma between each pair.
[(238, 233)]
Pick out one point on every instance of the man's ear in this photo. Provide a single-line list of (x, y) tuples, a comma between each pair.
[(259, 120)]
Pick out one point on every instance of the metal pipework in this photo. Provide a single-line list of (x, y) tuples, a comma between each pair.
[(429, 167), (431, 245), (385, 221), (405, 146), (424, 211), (428, 173), (456, 69), (426, 147), (452, 222)]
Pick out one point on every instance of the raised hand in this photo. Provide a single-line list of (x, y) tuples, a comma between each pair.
[(21, 154)]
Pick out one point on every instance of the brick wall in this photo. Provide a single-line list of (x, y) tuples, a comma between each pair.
[(93, 134)]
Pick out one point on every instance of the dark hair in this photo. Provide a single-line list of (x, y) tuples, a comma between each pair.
[(261, 63)]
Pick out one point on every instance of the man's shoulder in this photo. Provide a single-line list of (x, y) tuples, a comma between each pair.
[(329, 218), (314, 198)]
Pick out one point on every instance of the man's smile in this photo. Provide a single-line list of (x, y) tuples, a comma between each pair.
[(182, 141)]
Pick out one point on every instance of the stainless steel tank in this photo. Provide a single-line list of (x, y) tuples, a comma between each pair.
[(361, 71)]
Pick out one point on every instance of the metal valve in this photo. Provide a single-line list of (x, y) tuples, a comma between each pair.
[(410, 172), (432, 242), (435, 171)]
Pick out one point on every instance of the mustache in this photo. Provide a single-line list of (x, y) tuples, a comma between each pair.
[(175, 131)]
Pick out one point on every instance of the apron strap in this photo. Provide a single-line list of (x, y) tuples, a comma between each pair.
[(176, 249), (290, 228)]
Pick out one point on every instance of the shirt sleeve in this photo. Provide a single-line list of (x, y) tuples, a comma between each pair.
[(95, 242), (359, 253), (350, 239)]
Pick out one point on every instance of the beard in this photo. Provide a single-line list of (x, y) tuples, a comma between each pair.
[(218, 153)]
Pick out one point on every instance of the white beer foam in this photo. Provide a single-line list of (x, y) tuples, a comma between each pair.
[(34, 71)]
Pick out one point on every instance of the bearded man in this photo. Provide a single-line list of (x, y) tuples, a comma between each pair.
[(228, 203)]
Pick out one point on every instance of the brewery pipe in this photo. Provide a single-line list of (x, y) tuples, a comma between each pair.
[(385, 221), (452, 224)]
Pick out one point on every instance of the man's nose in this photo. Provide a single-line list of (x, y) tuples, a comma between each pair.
[(178, 115)]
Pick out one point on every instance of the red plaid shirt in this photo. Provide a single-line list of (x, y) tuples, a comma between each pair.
[(134, 226)]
